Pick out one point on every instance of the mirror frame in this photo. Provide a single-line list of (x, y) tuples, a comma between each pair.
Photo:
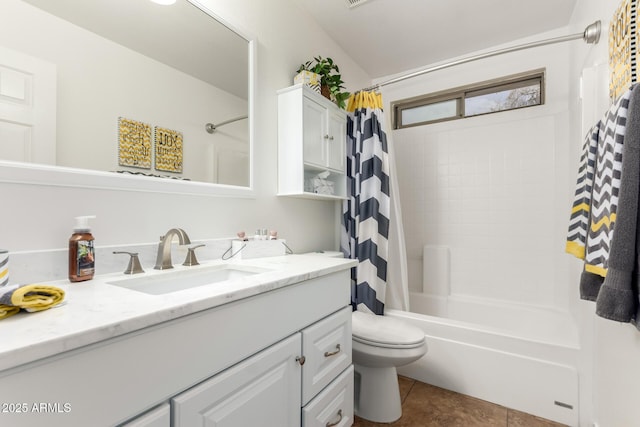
[(59, 176)]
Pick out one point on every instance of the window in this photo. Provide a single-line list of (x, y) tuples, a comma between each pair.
[(507, 93)]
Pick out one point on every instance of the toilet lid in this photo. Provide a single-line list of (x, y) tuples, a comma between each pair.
[(384, 331)]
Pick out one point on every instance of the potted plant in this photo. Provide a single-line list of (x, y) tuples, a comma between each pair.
[(331, 83)]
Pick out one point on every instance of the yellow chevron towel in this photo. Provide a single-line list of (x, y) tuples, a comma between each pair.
[(8, 310), (28, 297)]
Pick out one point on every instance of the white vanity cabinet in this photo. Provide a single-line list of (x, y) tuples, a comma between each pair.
[(266, 360), (264, 390), (312, 134), (333, 406), (269, 388), (157, 417)]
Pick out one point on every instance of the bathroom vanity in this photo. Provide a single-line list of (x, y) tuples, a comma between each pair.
[(267, 349)]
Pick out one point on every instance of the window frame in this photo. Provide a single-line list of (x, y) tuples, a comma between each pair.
[(459, 94)]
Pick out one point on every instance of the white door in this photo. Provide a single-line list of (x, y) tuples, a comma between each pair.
[(262, 391), (315, 133), (157, 417), (27, 108), (337, 141)]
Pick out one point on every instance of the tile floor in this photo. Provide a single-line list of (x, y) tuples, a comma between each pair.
[(424, 405)]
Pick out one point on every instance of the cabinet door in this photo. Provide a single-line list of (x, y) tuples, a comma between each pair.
[(333, 407), (263, 390), (158, 417), (337, 141), (315, 133), (326, 346)]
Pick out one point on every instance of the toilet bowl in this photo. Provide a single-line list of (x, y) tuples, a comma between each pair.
[(380, 344)]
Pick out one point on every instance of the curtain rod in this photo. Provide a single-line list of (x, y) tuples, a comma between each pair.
[(590, 35), (211, 128)]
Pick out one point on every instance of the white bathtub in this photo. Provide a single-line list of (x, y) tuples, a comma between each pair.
[(521, 357)]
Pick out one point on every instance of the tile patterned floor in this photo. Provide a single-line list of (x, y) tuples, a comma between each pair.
[(424, 405)]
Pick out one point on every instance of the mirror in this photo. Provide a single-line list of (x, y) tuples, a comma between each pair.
[(121, 91)]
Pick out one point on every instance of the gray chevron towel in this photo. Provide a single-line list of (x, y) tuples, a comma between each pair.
[(593, 214)]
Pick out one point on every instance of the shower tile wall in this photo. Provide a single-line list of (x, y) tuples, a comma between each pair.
[(485, 188)]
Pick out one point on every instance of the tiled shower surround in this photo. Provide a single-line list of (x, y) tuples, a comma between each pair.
[(486, 189)]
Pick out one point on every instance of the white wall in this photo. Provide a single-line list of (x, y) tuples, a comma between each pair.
[(486, 187), (41, 218), (612, 349), (99, 81), (524, 163)]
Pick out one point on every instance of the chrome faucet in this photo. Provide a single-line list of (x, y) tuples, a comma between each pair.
[(163, 260)]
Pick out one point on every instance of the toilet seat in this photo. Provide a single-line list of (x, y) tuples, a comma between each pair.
[(385, 332)]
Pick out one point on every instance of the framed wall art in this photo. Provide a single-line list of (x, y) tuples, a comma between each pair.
[(623, 41), (134, 143), (168, 148)]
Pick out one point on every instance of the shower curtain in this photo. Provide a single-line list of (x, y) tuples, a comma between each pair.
[(367, 212)]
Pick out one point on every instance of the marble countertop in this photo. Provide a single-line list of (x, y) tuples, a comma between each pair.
[(95, 310)]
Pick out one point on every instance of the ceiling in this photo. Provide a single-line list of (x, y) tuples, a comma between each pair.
[(386, 37)]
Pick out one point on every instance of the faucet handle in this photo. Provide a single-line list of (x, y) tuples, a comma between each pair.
[(191, 256), (134, 266)]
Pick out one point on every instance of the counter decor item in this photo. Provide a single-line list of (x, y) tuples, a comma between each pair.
[(168, 149), (308, 78), (255, 248), (134, 143), (4, 267), (331, 84), (31, 298), (81, 251)]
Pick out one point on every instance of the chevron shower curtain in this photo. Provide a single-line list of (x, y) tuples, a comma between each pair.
[(366, 212)]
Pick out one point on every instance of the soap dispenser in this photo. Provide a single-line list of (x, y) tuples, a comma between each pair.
[(81, 251)]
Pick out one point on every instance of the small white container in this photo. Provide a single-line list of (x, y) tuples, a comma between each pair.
[(257, 248)]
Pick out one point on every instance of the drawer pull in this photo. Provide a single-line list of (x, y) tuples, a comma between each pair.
[(332, 353), (301, 360), (330, 424)]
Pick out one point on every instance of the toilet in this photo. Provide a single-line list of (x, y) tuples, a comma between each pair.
[(380, 345)]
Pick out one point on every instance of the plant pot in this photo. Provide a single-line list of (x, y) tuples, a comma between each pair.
[(308, 78), (325, 91)]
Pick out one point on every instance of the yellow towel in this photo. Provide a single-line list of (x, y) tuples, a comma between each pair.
[(8, 310), (29, 297)]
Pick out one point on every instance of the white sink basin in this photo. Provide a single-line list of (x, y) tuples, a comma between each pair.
[(166, 282)]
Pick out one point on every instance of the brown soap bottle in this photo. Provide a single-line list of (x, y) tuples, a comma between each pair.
[(81, 252)]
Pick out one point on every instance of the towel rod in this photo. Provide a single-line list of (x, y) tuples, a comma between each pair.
[(211, 128), (590, 35)]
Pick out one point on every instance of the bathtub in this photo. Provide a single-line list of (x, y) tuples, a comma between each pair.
[(521, 357)]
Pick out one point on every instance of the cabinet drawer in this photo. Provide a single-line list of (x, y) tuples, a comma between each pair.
[(333, 407), (326, 346)]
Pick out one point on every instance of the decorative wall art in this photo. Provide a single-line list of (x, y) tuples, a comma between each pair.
[(134, 143), (623, 41), (168, 150)]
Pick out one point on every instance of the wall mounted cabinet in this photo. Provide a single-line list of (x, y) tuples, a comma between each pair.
[(312, 134)]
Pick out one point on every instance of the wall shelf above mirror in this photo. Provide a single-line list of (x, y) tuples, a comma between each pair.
[(73, 72)]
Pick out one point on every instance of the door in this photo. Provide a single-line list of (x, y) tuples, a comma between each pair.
[(262, 391), (314, 133), (337, 141), (27, 108), (157, 417)]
